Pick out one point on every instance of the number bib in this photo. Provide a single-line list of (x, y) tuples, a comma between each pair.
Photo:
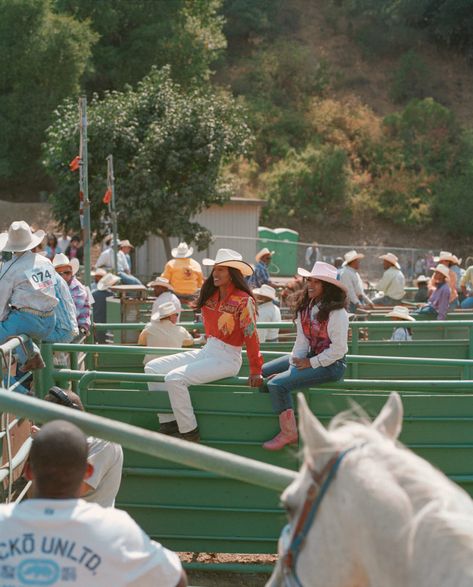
[(41, 278)]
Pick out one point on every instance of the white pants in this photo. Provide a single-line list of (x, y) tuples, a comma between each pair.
[(216, 360)]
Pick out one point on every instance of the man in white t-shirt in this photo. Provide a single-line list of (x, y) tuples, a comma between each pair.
[(59, 540), (106, 457), (267, 312), (163, 331), (107, 261)]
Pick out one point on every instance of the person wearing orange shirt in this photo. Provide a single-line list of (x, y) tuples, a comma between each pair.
[(184, 274), (229, 316)]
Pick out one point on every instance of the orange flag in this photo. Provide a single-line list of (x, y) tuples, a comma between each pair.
[(107, 196), (75, 164)]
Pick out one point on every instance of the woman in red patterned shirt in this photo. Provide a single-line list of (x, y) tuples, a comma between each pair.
[(229, 315), (318, 355)]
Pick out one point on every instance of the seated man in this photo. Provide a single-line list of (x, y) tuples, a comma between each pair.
[(265, 297), (184, 273), (392, 284), (261, 274), (350, 278), (106, 457), (107, 261), (27, 292), (163, 331), (104, 545), (67, 269), (164, 292)]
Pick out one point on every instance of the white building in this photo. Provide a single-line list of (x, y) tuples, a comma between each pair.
[(233, 225)]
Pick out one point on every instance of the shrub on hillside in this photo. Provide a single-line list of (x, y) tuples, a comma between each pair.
[(410, 78), (308, 184)]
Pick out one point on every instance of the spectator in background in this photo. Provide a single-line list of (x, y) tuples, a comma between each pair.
[(466, 284), (260, 275), (96, 276), (401, 333), (455, 266), (75, 250), (439, 299), (106, 261), (63, 242), (422, 293), (164, 292), (350, 278), (163, 331), (106, 457), (100, 296), (110, 548), (52, 247), (448, 260), (268, 311), (392, 284), (67, 269), (183, 273), (338, 264), (312, 254)]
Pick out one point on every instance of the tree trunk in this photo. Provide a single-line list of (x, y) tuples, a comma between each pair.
[(167, 246)]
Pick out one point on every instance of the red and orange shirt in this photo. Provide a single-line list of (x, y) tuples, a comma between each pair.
[(233, 321)]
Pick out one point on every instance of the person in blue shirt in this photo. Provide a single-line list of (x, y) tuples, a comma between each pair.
[(261, 274)]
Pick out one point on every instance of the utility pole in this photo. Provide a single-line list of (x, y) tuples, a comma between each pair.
[(84, 187), (113, 209)]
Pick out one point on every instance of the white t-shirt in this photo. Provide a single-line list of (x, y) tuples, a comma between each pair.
[(107, 260), (107, 459), (165, 334), (72, 543), (268, 312)]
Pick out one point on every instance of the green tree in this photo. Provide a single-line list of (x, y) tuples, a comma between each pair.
[(169, 147), (138, 34), (42, 58)]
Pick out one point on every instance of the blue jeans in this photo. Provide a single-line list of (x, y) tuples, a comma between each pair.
[(428, 309), (288, 378), (128, 279), (467, 303), (29, 324)]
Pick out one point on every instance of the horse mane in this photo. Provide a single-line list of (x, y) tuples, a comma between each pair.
[(433, 497)]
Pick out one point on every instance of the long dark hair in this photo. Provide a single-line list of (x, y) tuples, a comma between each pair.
[(333, 298), (208, 288)]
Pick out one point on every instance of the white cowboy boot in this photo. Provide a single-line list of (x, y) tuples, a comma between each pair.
[(288, 434)]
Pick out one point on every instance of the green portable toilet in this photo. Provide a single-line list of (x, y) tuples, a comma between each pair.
[(284, 243)]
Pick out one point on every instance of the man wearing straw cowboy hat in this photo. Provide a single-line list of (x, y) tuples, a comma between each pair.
[(229, 316), (392, 284), (164, 292), (67, 269), (106, 260), (267, 312), (261, 274), (27, 293), (183, 273), (163, 331), (351, 279)]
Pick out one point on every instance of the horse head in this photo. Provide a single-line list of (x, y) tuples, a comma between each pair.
[(358, 507)]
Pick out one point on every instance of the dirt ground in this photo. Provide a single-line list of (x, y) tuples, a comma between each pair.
[(204, 578)]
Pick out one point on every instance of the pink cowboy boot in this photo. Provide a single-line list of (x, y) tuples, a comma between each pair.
[(288, 434)]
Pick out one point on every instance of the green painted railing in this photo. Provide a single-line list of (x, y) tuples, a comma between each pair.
[(152, 443)]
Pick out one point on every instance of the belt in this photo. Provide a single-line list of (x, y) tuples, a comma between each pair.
[(35, 312)]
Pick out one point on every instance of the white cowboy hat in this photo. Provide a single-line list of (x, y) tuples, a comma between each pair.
[(266, 291), (125, 243), (456, 260), (164, 310), (443, 269), (351, 256), (423, 279), (390, 258), (162, 282), (99, 271), (108, 280), (229, 258), (20, 238), (446, 256), (182, 251), (61, 260), (401, 312), (262, 253), (323, 272)]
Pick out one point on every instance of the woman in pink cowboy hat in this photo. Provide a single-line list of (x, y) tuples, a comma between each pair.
[(318, 355)]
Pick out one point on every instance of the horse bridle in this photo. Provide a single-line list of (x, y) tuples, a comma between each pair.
[(320, 479)]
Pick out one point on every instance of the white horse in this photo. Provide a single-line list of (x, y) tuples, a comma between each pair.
[(366, 512)]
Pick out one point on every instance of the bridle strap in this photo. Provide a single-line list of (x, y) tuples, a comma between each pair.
[(309, 510)]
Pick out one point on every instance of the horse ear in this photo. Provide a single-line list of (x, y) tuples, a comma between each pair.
[(314, 435), (389, 420)]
